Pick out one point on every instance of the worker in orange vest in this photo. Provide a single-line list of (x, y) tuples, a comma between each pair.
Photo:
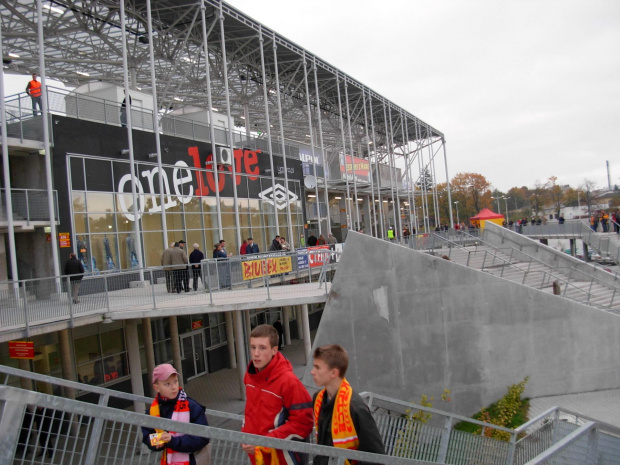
[(34, 90)]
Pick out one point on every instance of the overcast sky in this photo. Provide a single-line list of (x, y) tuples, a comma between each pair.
[(522, 89)]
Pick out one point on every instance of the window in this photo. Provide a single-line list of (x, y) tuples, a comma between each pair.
[(101, 358)]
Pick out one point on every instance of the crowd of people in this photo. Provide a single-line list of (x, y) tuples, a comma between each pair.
[(603, 218), (277, 406)]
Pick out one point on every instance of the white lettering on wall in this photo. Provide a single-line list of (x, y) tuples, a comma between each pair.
[(123, 195), (187, 179), (169, 201)]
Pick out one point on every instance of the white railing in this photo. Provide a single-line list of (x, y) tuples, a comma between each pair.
[(31, 302), (28, 205)]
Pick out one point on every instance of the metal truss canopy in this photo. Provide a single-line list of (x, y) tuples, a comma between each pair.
[(83, 43)]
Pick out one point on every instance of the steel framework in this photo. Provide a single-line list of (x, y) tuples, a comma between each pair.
[(208, 54)]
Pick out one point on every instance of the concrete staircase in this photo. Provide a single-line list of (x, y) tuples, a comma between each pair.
[(516, 266)]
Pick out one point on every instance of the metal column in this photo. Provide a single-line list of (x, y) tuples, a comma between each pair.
[(205, 35), (288, 206), (230, 129), (134, 178), (46, 144), (344, 157), (7, 179), (309, 113), (267, 122), (346, 97), (318, 117), (160, 169)]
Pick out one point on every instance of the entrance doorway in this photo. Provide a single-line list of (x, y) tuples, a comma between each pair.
[(193, 356)]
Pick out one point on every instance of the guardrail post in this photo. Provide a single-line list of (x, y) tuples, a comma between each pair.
[(209, 282), (27, 207), (27, 324), (266, 275), (153, 289), (92, 450), (445, 439), (592, 447), (107, 293), (512, 449), (70, 299)]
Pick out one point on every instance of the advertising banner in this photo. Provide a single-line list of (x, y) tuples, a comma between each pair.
[(317, 255), (356, 167), (302, 259), (253, 269)]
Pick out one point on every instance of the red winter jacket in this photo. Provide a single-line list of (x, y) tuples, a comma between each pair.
[(277, 405)]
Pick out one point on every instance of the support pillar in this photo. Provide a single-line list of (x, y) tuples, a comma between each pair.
[(248, 324), (586, 255), (175, 345), (239, 342), (306, 333), (300, 329), (286, 322), (66, 362), (230, 338), (573, 247), (147, 335), (135, 368)]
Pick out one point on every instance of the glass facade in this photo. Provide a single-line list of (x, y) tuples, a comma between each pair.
[(103, 218)]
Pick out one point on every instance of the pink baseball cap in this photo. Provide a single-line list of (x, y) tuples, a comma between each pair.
[(163, 372)]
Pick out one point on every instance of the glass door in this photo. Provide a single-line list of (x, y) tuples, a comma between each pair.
[(194, 360)]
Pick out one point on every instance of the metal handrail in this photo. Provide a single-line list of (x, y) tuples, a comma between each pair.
[(43, 300), (89, 388), (592, 277), (505, 263), (76, 410)]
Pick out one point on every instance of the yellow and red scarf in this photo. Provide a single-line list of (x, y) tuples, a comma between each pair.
[(344, 435), (180, 413)]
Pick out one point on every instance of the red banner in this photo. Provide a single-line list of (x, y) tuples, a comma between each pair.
[(21, 349), (317, 258)]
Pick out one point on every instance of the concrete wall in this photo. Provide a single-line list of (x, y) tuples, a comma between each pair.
[(504, 238), (415, 324)]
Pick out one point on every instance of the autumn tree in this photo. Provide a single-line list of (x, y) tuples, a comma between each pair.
[(588, 187), (470, 190), (556, 194)]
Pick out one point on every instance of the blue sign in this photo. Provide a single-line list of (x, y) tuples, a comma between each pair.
[(302, 259)]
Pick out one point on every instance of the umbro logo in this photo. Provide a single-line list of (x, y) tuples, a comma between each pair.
[(278, 196)]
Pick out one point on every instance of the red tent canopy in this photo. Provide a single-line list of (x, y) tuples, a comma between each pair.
[(486, 214)]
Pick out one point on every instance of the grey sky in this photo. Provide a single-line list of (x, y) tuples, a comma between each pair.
[(523, 90)]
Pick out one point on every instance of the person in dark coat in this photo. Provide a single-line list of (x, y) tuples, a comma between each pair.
[(252, 247), (75, 270), (280, 330), (354, 427), (312, 240), (194, 261)]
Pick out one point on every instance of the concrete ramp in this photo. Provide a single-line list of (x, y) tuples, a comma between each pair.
[(415, 324)]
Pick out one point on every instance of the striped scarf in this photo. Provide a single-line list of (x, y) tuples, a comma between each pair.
[(344, 435), (180, 413)]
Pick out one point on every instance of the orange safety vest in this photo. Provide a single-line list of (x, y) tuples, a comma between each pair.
[(35, 88)]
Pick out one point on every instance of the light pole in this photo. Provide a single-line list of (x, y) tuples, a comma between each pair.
[(456, 202), (498, 207), (506, 204)]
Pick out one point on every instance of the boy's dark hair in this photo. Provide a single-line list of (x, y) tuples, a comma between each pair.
[(334, 356), (266, 331)]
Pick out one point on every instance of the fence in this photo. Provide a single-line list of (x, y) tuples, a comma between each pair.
[(86, 433), (28, 205), (250, 278)]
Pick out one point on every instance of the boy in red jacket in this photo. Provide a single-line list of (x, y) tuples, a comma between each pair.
[(277, 404)]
